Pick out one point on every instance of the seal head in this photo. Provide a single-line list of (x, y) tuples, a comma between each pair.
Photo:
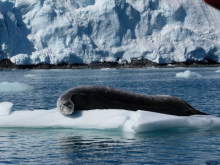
[(65, 105)]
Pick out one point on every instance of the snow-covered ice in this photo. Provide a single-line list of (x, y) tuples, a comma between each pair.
[(14, 87), (188, 74), (85, 31), (116, 120), (5, 108)]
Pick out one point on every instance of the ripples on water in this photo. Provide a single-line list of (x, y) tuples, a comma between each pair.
[(67, 146), (43, 146)]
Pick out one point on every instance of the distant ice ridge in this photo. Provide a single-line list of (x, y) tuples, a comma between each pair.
[(107, 120), (14, 87), (188, 74), (85, 31)]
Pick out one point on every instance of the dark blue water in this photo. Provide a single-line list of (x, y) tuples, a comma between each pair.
[(68, 146)]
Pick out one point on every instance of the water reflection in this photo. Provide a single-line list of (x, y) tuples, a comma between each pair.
[(167, 147), (67, 146), (103, 148), (90, 148)]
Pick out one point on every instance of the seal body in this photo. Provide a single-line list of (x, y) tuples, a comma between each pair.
[(102, 97)]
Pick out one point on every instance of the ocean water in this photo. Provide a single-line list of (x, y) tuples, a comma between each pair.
[(30, 90)]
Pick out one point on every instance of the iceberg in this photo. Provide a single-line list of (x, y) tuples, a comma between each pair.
[(87, 31), (188, 74), (14, 87), (30, 75)]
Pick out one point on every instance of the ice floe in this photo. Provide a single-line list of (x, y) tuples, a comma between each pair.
[(188, 74), (14, 87), (112, 119)]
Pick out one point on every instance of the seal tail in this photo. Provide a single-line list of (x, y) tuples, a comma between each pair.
[(201, 113), (196, 111)]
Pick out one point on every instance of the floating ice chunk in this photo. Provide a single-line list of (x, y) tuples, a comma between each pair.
[(150, 121), (151, 67), (111, 119), (14, 87), (5, 108), (30, 75), (106, 69), (188, 74), (95, 119), (218, 71)]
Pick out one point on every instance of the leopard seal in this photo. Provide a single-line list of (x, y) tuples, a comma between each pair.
[(89, 97)]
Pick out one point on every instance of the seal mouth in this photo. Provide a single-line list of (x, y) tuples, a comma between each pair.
[(66, 108), (68, 111)]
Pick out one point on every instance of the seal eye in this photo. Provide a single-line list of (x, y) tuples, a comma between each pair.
[(67, 104)]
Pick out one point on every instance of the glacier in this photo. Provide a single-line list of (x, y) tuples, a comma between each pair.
[(87, 31)]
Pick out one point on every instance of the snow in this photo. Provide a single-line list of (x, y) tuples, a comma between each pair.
[(14, 87), (188, 74), (5, 108), (106, 120), (85, 31)]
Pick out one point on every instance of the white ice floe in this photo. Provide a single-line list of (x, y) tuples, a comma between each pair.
[(30, 75), (14, 87), (188, 74), (108, 69), (117, 120), (5, 108)]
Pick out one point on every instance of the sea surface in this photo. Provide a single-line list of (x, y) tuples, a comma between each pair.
[(70, 146)]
